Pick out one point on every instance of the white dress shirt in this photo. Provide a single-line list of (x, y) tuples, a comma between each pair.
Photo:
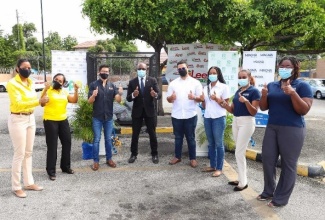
[(212, 108), (184, 108)]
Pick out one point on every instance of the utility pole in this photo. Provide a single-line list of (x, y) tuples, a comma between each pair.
[(18, 29), (44, 64)]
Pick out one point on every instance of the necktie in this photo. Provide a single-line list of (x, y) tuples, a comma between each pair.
[(142, 86)]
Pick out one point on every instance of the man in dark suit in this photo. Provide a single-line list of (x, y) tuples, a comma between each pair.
[(143, 91)]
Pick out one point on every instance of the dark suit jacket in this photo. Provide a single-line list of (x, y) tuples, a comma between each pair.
[(146, 101)]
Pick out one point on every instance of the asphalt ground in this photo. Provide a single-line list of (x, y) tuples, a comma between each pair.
[(144, 190)]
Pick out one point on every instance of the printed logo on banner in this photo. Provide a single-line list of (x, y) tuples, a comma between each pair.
[(196, 56), (262, 66), (174, 48), (267, 55)]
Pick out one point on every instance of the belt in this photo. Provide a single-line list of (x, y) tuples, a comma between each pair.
[(22, 113)]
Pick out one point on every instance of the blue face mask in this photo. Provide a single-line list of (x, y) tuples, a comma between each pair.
[(213, 78), (141, 73), (243, 82), (285, 73)]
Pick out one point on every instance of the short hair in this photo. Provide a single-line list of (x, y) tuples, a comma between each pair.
[(103, 66), (296, 65), (181, 62), (20, 61)]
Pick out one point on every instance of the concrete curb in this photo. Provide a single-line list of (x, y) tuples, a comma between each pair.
[(316, 170)]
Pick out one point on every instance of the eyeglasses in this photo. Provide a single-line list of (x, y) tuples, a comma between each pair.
[(142, 69), (180, 69)]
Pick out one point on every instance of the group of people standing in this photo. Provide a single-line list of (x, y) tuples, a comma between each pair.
[(287, 101)]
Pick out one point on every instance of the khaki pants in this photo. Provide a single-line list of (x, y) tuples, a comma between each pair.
[(242, 129), (22, 133)]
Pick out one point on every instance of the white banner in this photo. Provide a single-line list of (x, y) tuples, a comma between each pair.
[(262, 66), (228, 62), (195, 55), (72, 64)]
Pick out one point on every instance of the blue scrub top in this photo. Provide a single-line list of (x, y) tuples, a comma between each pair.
[(281, 111), (251, 94)]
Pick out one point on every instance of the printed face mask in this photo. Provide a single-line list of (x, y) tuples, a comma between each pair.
[(24, 72), (141, 73), (285, 73), (103, 75), (56, 85), (213, 78), (243, 82)]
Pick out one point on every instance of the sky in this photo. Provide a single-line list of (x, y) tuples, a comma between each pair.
[(62, 16)]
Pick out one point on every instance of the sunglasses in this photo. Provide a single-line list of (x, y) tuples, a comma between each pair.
[(183, 68), (142, 69)]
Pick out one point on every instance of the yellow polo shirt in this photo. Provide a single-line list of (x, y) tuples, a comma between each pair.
[(23, 99), (56, 108)]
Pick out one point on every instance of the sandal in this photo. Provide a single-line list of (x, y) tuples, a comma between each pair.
[(262, 198), (273, 204), (233, 183), (217, 173), (208, 169)]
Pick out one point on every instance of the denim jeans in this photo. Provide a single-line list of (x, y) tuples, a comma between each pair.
[(185, 127), (215, 129), (97, 129)]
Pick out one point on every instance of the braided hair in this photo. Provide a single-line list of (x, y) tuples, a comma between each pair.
[(220, 77), (295, 63)]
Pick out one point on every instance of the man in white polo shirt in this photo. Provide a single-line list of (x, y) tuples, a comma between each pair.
[(184, 92)]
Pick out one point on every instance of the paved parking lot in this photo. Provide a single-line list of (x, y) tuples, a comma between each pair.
[(144, 190)]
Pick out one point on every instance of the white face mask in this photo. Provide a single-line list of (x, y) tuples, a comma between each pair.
[(243, 82), (285, 73), (141, 73)]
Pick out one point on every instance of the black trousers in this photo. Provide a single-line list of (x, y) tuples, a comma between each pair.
[(53, 131), (151, 129)]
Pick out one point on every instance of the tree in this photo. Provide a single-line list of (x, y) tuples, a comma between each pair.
[(156, 22), (69, 42), (286, 26)]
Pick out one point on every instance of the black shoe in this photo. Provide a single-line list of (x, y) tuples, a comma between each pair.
[(52, 177), (240, 189), (132, 159), (69, 171), (155, 159)]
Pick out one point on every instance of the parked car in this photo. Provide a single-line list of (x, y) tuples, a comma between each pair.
[(3, 86), (318, 87), (38, 84)]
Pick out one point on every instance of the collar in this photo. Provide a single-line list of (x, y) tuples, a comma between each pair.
[(18, 79), (144, 78)]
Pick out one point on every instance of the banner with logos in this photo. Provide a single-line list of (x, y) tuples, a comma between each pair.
[(228, 62), (195, 55), (262, 66), (74, 66)]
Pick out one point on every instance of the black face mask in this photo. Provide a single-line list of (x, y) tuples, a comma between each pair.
[(182, 72), (25, 72), (103, 75), (56, 85)]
